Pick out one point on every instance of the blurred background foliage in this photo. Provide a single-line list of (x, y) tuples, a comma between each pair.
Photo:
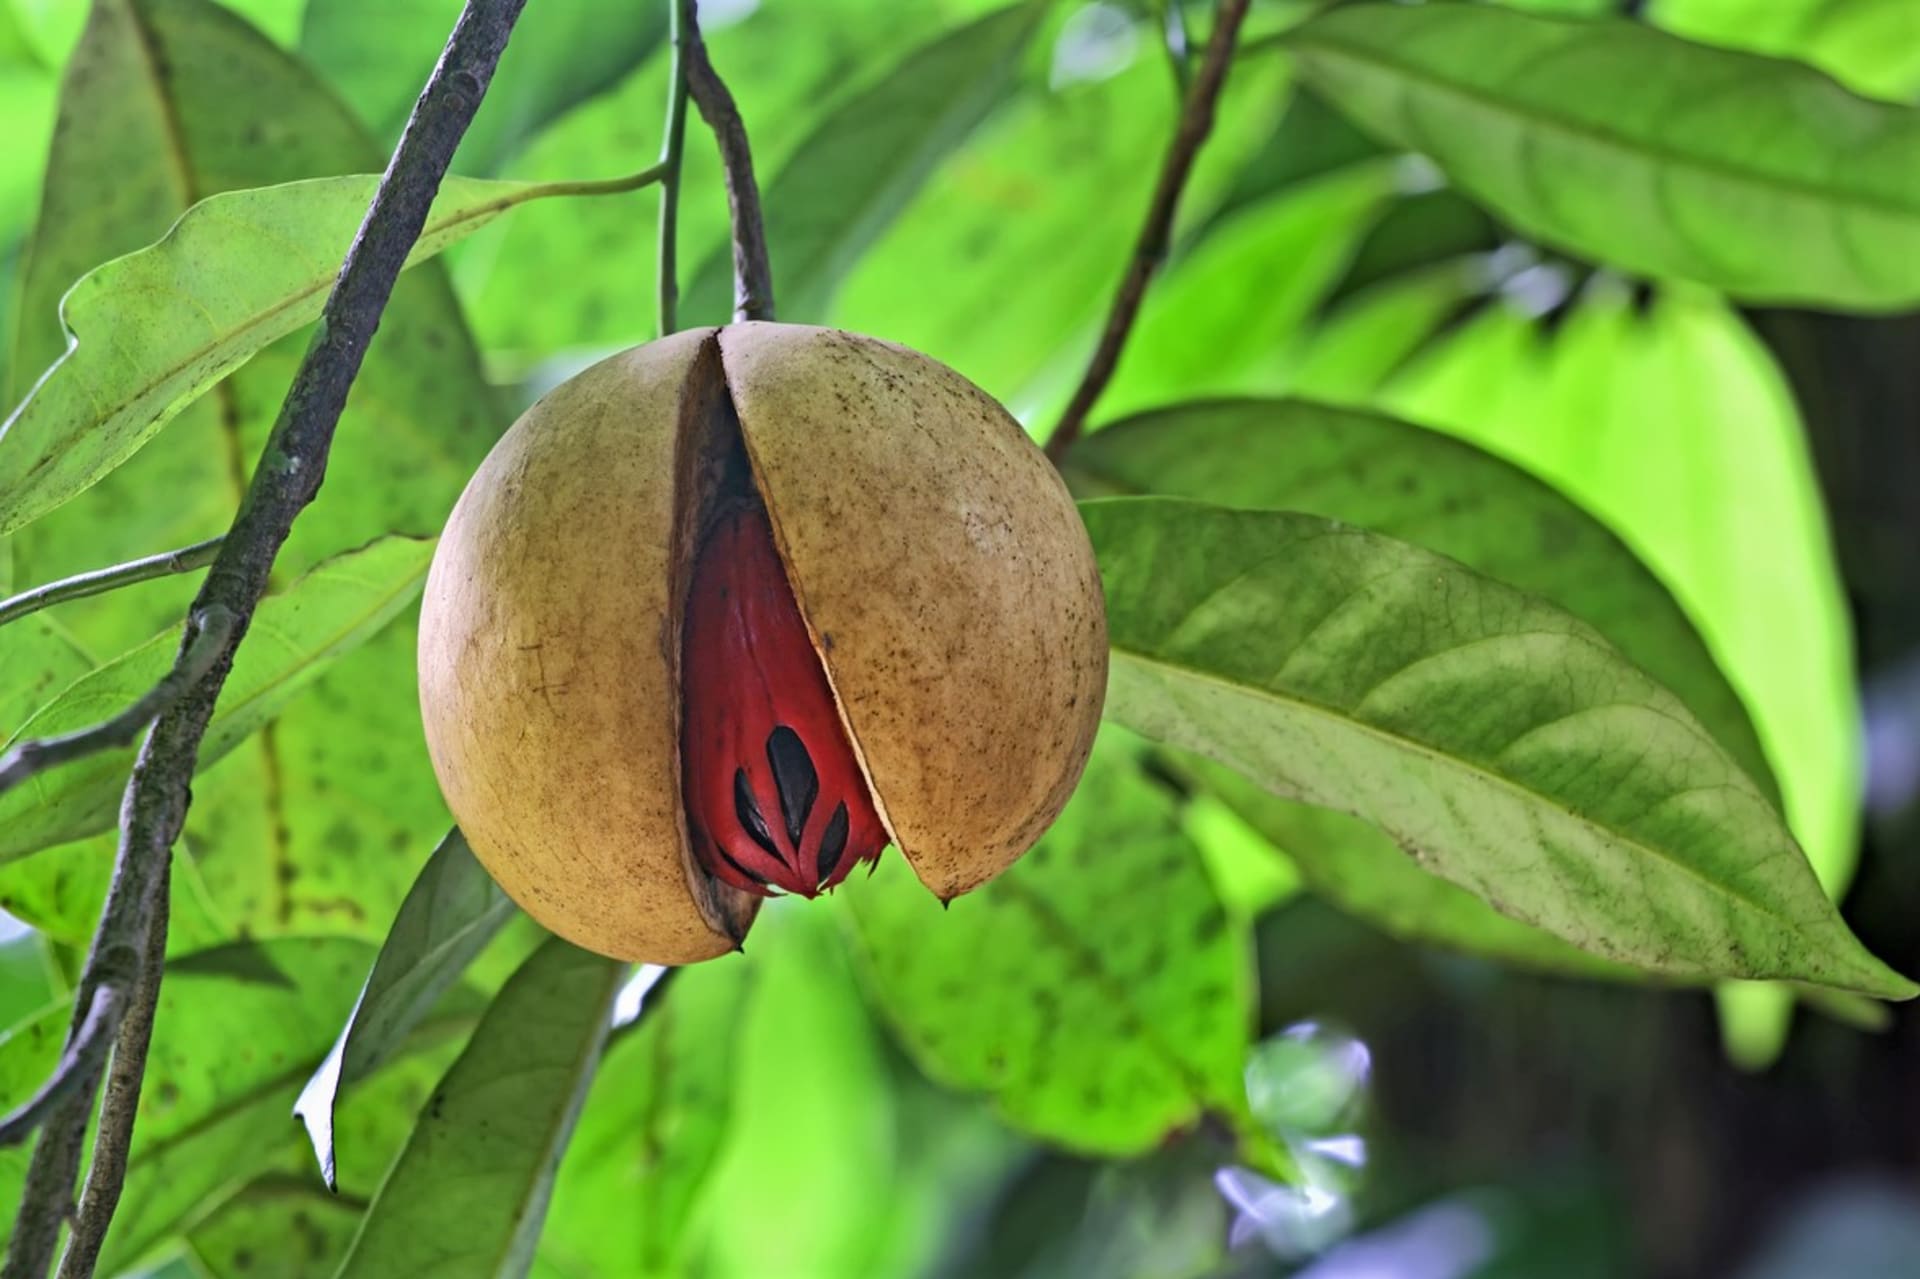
[(1455, 1094)]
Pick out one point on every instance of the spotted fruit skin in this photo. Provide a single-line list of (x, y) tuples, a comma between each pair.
[(775, 797)]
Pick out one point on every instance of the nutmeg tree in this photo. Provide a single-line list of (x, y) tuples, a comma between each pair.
[(1118, 477)]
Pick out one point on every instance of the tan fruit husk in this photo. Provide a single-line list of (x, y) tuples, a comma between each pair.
[(943, 572)]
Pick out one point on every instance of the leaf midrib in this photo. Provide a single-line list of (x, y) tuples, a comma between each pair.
[(1395, 741), (1648, 149)]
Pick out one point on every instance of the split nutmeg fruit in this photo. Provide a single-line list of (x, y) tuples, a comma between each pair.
[(728, 612)]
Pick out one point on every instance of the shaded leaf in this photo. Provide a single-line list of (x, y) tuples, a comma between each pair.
[(378, 53), (652, 1131), (867, 158), (468, 1195), (294, 634), (1714, 162), (452, 911), (1502, 742), (1097, 991), (1364, 873), (1433, 490), (152, 331), (282, 1221)]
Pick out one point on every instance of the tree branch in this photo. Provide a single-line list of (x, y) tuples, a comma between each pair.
[(285, 481), (79, 1066), (195, 659), (671, 149), (114, 1140), (184, 560), (1196, 122), (752, 272)]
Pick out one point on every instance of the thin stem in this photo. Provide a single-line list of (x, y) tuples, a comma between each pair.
[(80, 1065), (196, 658), (184, 560), (288, 476), (671, 148), (752, 271), (1196, 122), (113, 1141)]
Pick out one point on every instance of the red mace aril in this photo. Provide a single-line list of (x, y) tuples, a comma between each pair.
[(775, 798)]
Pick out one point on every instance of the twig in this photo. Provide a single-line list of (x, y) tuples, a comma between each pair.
[(79, 1066), (671, 149), (1196, 121), (752, 272), (114, 1140), (184, 560), (285, 481), (36, 755)]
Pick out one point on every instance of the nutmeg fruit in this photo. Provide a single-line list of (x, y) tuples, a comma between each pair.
[(727, 612)]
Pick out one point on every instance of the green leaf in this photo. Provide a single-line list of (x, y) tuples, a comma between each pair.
[(452, 911), (286, 1221), (822, 1177), (1010, 269), (1731, 520), (315, 825), (865, 161), (152, 331), (652, 1132), (1423, 487), (1098, 990), (1502, 742), (468, 1195), (378, 53), (1871, 46), (1360, 870), (293, 636), (1708, 171)]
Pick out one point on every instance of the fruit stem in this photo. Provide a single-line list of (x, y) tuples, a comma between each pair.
[(752, 272), (1196, 122), (671, 147)]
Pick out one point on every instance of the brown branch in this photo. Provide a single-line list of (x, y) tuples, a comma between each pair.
[(79, 1066), (113, 1141), (190, 665), (752, 271), (285, 481), (81, 585), (1196, 122)]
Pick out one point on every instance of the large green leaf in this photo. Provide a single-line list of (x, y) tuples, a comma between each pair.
[(1098, 991), (1710, 170), (452, 911), (152, 331), (1364, 873), (1427, 488), (652, 1131), (1871, 46), (467, 1197), (378, 53), (1731, 518), (293, 636), (1502, 742), (865, 160), (317, 824)]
